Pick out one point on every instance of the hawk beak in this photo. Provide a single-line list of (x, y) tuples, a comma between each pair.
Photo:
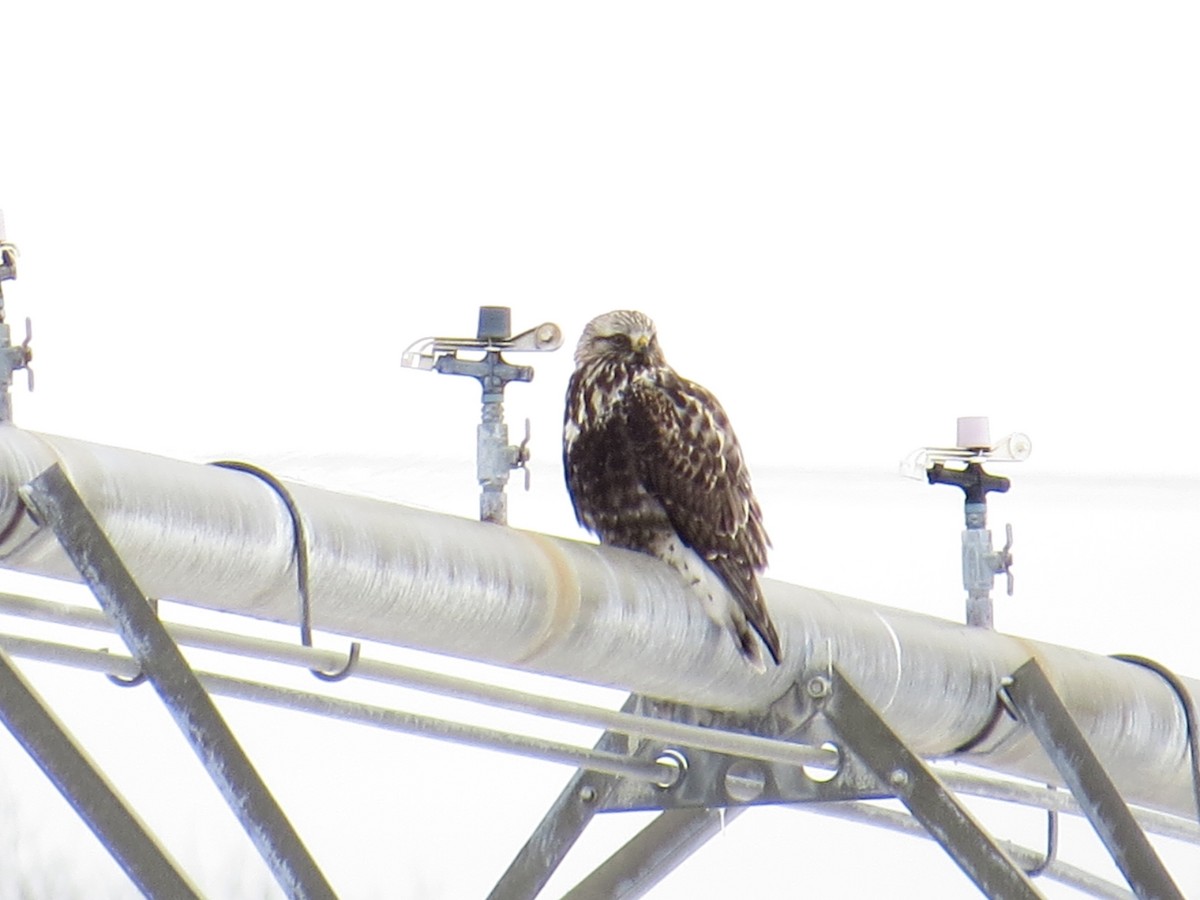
[(641, 342)]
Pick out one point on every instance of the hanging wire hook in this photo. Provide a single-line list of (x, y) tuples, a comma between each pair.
[(121, 681), (1005, 704), (137, 679), (300, 551), (1051, 842), (980, 736)]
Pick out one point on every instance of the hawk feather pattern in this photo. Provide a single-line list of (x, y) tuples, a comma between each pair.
[(653, 465)]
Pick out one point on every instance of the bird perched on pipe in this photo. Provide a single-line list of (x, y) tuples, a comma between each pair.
[(653, 465)]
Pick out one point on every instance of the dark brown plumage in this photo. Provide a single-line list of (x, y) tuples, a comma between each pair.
[(652, 464)]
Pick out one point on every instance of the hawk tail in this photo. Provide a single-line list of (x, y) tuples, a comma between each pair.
[(749, 646), (752, 633), (750, 619)]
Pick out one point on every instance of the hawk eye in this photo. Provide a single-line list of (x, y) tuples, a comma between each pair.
[(621, 341)]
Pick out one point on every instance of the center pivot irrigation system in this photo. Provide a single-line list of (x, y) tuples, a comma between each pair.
[(870, 702)]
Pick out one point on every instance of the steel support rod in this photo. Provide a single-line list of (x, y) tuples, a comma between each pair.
[(666, 730), (545, 850), (990, 787), (55, 502), (224, 540), (1047, 716), (96, 801), (653, 853), (556, 834), (871, 739), (359, 713)]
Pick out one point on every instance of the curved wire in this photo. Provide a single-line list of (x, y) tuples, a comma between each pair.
[(1051, 843), (1189, 712), (972, 742), (300, 552), (137, 679)]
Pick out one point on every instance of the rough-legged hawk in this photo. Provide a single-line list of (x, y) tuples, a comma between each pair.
[(652, 464)]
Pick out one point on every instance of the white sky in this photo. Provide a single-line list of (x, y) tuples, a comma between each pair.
[(853, 221)]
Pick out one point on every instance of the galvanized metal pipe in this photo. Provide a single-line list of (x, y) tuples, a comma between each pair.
[(379, 571)]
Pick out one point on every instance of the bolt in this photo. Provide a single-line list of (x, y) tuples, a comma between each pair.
[(899, 778), (818, 687), (587, 794)]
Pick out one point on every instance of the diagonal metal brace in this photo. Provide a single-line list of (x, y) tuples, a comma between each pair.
[(96, 801), (872, 740), (562, 824), (653, 853), (678, 832), (1044, 712), (55, 502)]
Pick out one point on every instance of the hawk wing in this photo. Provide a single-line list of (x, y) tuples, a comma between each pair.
[(691, 462), (602, 470)]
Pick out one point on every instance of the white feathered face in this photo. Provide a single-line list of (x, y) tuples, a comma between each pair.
[(624, 335)]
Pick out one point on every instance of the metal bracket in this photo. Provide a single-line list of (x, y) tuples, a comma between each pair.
[(1039, 706), (713, 788), (709, 779), (54, 501)]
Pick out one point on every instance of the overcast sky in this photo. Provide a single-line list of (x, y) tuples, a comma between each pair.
[(853, 221)]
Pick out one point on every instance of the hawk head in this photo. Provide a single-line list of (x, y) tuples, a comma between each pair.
[(624, 335)]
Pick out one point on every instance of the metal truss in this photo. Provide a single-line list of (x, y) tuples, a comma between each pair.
[(1044, 712), (54, 500), (872, 762), (823, 744)]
